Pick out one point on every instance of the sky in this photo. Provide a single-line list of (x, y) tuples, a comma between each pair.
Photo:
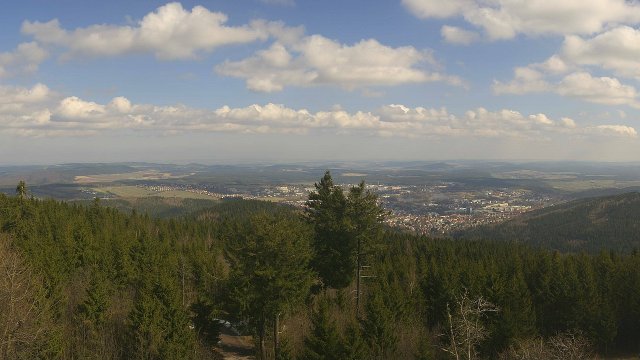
[(306, 80)]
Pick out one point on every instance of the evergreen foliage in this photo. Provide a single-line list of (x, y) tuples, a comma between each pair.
[(112, 285), (334, 258), (21, 189), (345, 226), (324, 342), (379, 327), (590, 225), (270, 272)]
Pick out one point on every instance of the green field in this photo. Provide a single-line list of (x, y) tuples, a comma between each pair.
[(582, 185), (138, 192), (134, 175)]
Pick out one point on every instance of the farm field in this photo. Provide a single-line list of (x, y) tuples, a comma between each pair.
[(126, 191)]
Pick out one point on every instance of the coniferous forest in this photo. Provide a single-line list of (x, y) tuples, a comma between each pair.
[(327, 282)]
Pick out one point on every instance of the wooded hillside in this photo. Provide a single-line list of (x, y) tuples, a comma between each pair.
[(609, 222), (89, 282)]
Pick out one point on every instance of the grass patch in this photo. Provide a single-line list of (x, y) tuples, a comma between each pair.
[(126, 191)]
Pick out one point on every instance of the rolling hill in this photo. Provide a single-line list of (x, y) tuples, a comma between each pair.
[(592, 224)]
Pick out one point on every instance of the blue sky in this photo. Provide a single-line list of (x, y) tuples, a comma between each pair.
[(293, 80)]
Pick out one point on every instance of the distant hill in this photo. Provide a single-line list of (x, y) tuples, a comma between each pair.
[(592, 224)]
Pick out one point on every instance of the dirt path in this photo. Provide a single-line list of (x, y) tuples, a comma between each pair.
[(235, 347)]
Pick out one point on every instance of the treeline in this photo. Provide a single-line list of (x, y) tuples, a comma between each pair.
[(538, 293), (609, 222), (329, 282), (157, 207), (116, 285)]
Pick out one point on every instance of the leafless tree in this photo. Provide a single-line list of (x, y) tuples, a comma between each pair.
[(24, 312), (563, 346), (527, 349), (466, 328), (570, 346)]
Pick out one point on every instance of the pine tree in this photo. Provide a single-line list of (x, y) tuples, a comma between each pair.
[(379, 326), (21, 189), (324, 342), (355, 346), (285, 352), (270, 271), (94, 308), (365, 227), (326, 210), (158, 325)]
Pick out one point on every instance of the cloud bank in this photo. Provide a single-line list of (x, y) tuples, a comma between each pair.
[(505, 19), (568, 73), (316, 60), (24, 59), (172, 32), (38, 111)]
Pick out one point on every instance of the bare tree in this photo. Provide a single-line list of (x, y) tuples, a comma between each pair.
[(567, 345), (24, 313), (466, 328), (527, 349), (570, 346)]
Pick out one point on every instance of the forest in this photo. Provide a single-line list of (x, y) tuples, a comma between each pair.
[(327, 282), (591, 225)]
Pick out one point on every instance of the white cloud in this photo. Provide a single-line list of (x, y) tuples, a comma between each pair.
[(509, 123), (616, 130), (541, 119), (74, 108), (533, 77), (622, 114), (456, 35), (526, 80), (568, 123), (437, 9), (278, 30), (401, 113), (39, 93), (120, 104), (553, 65), (270, 70), (293, 59), (25, 58), (504, 19), (40, 112), (484, 123), (25, 108), (316, 60), (600, 90), (580, 85), (170, 32), (617, 50)]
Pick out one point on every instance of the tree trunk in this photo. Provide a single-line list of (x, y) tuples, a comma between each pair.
[(358, 266), (276, 336), (182, 261), (261, 348)]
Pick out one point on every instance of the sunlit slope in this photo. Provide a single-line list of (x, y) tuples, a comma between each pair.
[(610, 222)]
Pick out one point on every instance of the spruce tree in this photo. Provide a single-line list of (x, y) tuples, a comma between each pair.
[(93, 309), (365, 218), (21, 189), (324, 342), (334, 249), (379, 326), (270, 272)]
